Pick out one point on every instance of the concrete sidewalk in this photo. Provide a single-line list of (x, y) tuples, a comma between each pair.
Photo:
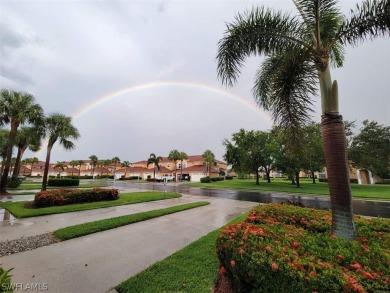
[(99, 262), (17, 228)]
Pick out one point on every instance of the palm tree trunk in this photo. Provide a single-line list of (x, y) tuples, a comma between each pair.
[(46, 171), (11, 139), (19, 156), (336, 158)]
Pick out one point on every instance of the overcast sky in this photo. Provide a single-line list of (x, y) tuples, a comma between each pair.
[(72, 54)]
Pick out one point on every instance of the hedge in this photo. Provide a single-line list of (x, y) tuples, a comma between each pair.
[(13, 183), (69, 196), (63, 182), (131, 178), (205, 179), (284, 248)]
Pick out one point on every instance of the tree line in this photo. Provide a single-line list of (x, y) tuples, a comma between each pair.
[(262, 151)]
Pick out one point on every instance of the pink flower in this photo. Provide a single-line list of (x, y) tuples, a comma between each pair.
[(274, 266), (232, 263)]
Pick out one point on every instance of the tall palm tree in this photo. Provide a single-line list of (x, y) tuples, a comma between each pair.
[(26, 137), (33, 160), (115, 160), (16, 108), (125, 164), (58, 127), (94, 162), (299, 51), (182, 156), (4, 134), (208, 160), (73, 163), (80, 163), (153, 159), (174, 155), (106, 163)]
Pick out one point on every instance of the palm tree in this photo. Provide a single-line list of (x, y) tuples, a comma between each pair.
[(94, 162), (26, 137), (182, 156), (156, 163), (4, 134), (60, 165), (16, 108), (208, 160), (174, 155), (80, 162), (299, 51), (106, 163), (58, 127), (33, 160), (115, 160), (126, 164), (24, 163), (73, 163)]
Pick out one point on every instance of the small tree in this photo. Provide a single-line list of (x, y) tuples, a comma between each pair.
[(115, 160), (125, 164), (209, 160), (153, 159), (73, 163), (182, 156), (94, 162)]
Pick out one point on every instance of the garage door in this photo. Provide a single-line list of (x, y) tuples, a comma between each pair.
[(196, 177)]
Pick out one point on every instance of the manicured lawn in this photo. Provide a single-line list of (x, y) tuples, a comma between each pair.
[(106, 224), (191, 269), (19, 210), (38, 186), (375, 191)]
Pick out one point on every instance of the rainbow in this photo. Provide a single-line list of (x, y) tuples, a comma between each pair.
[(158, 84)]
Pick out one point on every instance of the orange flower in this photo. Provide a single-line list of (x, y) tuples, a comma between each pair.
[(340, 257), (274, 266), (241, 251), (294, 244), (355, 265), (232, 263), (222, 270), (267, 248), (368, 275)]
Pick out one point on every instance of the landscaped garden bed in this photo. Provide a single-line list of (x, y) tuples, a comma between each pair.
[(60, 197), (24, 209), (284, 248)]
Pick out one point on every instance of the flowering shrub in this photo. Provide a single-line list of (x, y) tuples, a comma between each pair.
[(282, 248), (69, 196)]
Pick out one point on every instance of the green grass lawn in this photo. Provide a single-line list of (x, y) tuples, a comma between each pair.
[(19, 210), (106, 224), (30, 186), (191, 269), (374, 191)]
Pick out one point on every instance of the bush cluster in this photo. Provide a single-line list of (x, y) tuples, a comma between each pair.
[(70, 196), (205, 179), (229, 177), (284, 248), (63, 182), (151, 180), (13, 183)]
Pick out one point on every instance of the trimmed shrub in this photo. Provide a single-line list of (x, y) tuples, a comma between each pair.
[(283, 248), (354, 181), (13, 183), (131, 178), (205, 179), (215, 179), (323, 180), (152, 180), (229, 178), (63, 182), (70, 196)]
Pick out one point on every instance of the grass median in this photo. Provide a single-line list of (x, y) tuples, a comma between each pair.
[(20, 208), (106, 224), (368, 191), (192, 269)]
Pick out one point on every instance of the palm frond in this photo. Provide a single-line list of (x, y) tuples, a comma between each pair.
[(369, 20), (260, 31), (67, 144), (285, 85)]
